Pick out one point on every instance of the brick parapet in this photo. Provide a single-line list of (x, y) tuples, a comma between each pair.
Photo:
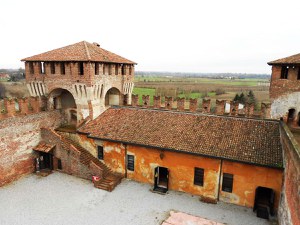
[(193, 106), (21, 106)]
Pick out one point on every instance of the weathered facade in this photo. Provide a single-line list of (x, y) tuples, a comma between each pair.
[(285, 89), (82, 79)]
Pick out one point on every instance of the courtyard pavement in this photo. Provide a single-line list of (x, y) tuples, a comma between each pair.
[(62, 199)]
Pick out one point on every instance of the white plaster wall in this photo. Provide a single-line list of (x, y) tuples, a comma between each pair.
[(281, 105)]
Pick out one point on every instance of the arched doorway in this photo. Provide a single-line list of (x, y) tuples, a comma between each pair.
[(291, 115), (64, 100), (112, 97)]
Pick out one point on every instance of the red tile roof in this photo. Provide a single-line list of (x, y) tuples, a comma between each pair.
[(294, 59), (43, 147), (238, 139), (81, 51)]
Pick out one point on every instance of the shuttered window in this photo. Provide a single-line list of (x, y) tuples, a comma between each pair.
[(130, 162), (227, 183), (284, 72), (198, 176)]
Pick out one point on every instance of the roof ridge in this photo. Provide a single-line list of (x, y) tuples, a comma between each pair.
[(87, 50)]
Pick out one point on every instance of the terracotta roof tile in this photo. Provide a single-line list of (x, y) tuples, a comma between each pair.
[(81, 51), (43, 147), (294, 59), (239, 139)]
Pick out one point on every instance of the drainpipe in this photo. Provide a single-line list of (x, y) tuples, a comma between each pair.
[(219, 184)]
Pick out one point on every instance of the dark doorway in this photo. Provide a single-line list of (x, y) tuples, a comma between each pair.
[(45, 161), (161, 179), (264, 202), (291, 115)]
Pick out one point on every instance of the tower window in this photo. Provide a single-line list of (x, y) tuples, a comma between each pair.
[(130, 70), (31, 69), (227, 183), (52, 67), (198, 176), (42, 67), (298, 76), (96, 68), (80, 68), (284, 72), (104, 69), (123, 70), (109, 69), (62, 68), (117, 69)]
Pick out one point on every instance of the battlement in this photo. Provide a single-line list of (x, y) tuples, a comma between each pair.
[(21, 106), (221, 107)]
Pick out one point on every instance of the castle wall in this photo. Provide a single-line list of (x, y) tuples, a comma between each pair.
[(289, 208), (18, 135)]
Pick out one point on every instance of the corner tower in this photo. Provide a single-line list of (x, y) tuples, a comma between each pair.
[(83, 79), (285, 89)]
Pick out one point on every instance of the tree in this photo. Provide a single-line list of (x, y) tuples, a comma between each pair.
[(242, 98), (2, 90), (236, 97)]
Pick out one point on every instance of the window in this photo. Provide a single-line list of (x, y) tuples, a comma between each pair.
[(42, 67), (31, 69), (198, 176), (59, 165), (109, 69), (62, 68), (100, 152), (284, 72), (80, 68), (117, 69), (123, 70), (96, 68), (52, 67), (227, 182), (104, 67), (130, 70), (298, 76), (130, 162)]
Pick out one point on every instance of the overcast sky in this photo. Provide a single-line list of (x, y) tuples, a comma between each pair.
[(160, 35)]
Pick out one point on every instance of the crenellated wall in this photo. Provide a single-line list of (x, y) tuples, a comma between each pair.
[(21, 106), (192, 105)]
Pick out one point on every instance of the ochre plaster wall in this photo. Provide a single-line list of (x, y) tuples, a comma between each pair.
[(246, 178)]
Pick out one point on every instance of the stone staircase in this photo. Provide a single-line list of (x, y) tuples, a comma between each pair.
[(109, 179)]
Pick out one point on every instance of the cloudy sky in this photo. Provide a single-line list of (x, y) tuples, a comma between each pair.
[(160, 35)]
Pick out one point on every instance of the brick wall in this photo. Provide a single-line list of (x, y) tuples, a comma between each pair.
[(289, 208), (18, 135), (280, 87)]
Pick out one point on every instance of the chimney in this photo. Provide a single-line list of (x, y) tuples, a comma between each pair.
[(265, 110), (234, 107), (249, 109)]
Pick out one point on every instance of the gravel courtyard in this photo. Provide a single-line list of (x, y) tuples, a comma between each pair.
[(63, 199)]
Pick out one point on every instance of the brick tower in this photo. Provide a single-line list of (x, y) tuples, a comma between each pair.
[(285, 89), (82, 79)]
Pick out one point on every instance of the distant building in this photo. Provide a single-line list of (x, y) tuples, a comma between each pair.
[(4, 76)]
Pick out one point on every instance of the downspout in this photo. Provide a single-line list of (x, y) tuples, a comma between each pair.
[(219, 184)]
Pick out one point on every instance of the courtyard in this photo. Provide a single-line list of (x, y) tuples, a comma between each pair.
[(64, 199)]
